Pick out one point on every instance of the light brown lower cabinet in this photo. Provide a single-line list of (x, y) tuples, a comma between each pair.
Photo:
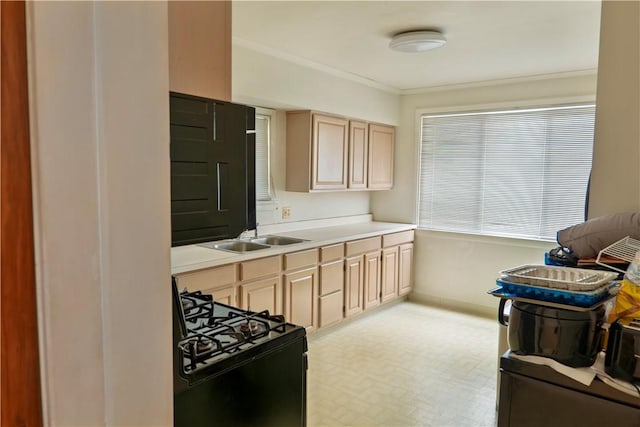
[(389, 274), (330, 309), (225, 295), (331, 300), (362, 275), (218, 281), (263, 294), (371, 279), (301, 304), (396, 265), (353, 285), (261, 285), (405, 273), (316, 287)]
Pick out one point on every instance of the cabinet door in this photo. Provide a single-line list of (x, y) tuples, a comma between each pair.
[(200, 48), (331, 309), (405, 269), (331, 277), (300, 298), (208, 169), (358, 154), (371, 279), (389, 273), (330, 153), (331, 289), (225, 295), (331, 299), (353, 284), (264, 294), (381, 146)]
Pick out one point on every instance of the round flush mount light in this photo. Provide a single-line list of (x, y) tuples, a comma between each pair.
[(417, 41)]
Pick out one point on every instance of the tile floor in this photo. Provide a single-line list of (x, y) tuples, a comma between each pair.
[(404, 365)]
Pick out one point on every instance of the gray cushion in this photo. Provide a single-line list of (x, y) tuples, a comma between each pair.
[(587, 239)]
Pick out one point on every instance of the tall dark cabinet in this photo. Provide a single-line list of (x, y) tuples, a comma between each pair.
[(212, 169)]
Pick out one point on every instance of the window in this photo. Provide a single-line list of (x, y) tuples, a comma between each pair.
[(515, 173), (263, 132)]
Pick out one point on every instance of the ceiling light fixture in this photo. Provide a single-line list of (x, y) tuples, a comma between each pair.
[(417, 41)]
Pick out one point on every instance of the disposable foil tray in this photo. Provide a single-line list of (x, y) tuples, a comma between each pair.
[(564, 278), (559, 296), (500, 292)]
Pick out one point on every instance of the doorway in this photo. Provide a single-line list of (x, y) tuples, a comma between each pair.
[(20, 401)]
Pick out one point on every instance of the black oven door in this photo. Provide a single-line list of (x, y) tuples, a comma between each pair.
[(267, 389)]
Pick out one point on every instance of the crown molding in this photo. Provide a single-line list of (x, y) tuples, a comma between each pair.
[(237, 41), (499, 82)]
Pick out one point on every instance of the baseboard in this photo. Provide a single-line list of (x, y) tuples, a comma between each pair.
[(455, 305)]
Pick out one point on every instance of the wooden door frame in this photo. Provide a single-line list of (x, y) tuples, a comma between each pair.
[(20, 398)]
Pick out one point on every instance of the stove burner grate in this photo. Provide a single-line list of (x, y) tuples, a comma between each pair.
[(214, 330)]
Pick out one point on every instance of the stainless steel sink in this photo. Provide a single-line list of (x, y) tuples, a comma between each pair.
[(237, 246), (255, 244), (277, 240)]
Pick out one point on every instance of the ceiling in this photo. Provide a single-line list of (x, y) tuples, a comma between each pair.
[(486, 40)]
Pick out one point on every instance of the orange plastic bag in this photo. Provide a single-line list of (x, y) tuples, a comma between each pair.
[(627, 303)]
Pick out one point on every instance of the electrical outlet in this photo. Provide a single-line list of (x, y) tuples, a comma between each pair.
[(286, 213)]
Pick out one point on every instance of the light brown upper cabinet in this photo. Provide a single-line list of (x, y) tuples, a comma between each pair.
[(358, 154), (200, 48), (381, 146), (334, 153), (317, 151)]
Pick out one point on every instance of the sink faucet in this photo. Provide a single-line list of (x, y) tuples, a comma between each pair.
[(255, 232)]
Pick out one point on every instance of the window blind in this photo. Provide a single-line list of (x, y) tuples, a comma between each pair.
[(263, 128), (516, 173)]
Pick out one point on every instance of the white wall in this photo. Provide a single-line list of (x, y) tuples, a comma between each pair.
[(457, 270), (100, 139), (615, 180), (271, 82)]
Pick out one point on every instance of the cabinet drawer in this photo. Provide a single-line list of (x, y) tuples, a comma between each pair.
[(330, 309), (300, 259), (397, 238), (260, 267), (331, 277), (362, 246), (329, 253), (210, 278)]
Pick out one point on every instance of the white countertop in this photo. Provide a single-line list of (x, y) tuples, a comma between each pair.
[(193, 257)]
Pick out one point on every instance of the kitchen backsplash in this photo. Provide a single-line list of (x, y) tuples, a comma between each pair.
[(301, 225)]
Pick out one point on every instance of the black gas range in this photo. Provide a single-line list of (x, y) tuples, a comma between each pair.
[(235, 367)]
